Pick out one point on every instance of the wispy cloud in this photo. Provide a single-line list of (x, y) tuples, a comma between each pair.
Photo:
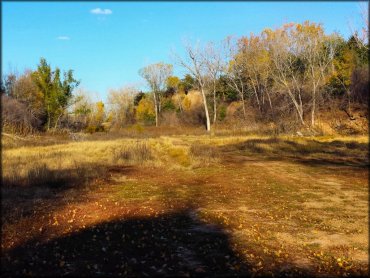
[(63, 38), (101, 11)]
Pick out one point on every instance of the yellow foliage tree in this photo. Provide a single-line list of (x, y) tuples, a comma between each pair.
[(99, 113), (145, 111)]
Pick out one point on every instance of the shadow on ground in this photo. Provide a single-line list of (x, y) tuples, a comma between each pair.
[(43, 184), (309, 152), (171, 244)]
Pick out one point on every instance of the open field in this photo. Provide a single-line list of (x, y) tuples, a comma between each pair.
[(186, 205)]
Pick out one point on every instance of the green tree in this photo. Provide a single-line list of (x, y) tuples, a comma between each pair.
[(187, 83), (82, 107), (57, 93), (349, 59)]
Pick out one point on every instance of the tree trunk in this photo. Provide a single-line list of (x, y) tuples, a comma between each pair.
[(349, 101), (300, 114), (214, 106), (208, 123), (269, 98), (48, 123), (56, 123), (313, 106), (257, 98), (297, 106), (243, 105), (155, 108), (159, 104)]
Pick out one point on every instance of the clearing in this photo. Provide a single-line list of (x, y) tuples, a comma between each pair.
[(186, 205)]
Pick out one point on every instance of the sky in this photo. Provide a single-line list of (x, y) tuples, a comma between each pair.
[(106, 43)]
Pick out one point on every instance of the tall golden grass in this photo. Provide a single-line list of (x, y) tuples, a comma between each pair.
[(67, 162)]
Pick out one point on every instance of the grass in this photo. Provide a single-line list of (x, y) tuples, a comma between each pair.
[(275, 203), (134, 153)]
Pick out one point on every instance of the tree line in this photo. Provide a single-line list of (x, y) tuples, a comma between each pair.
[(36, 99), (282, 76)]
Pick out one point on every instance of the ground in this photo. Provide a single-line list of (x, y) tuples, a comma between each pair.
[(187, 205)]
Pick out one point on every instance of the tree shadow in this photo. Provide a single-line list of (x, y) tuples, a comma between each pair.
[(311, 152), (51, 185), (171, 244)]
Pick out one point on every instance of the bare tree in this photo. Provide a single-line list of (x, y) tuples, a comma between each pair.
[(20, 87), (156, 76), (17, 117), (286, 69), (81, 110), (121, 104), (317, 52), (362, 37), (213, 62), (365, 23), (256, 69), (233, 69), (196, 66)]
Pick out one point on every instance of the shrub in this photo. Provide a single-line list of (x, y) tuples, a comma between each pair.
[(180, 156), (17, 118), (138, 152), (138, 128), (200, 150), (168, 106), (90, 129), (205, 153), (222, 113), (93, 128)]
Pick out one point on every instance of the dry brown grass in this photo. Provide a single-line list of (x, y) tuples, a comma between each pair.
[(136, 153), (292, 203)]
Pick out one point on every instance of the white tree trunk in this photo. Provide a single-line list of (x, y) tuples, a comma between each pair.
[(243, 105), (214, 107), (155, 108), (208, 124), (313, 106)]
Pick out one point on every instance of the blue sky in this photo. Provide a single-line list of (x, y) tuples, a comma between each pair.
[(106, 43)]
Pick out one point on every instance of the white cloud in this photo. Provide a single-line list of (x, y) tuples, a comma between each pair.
[(63, 38), (101, 11)]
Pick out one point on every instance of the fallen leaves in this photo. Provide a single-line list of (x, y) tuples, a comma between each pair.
[(152, 245)]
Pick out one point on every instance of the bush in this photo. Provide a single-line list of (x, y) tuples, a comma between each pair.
[(180, 156), (222, 113), (205, 153), (92, 129), (17, 118), (200, 150), (168, 106), (138, 152)]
